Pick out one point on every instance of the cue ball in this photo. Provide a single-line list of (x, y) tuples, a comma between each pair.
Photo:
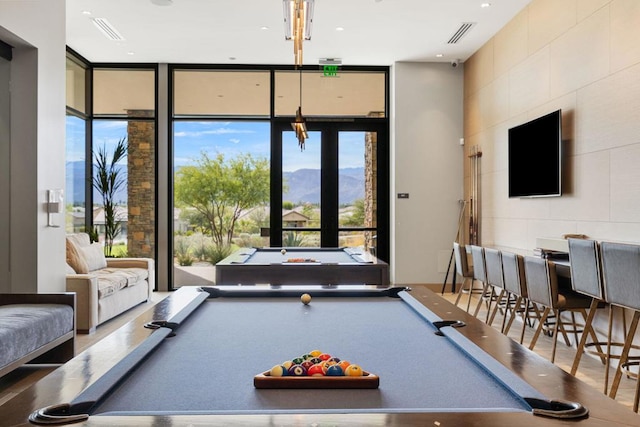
[(305, 298), (283, 251)]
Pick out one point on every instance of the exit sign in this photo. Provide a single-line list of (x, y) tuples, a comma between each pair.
[(330, 70)]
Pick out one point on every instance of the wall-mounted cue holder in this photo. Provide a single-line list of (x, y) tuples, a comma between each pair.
[(54, 205)]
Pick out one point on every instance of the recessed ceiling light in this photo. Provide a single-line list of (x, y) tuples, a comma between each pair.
[(439, 55), (131, 53), (485, 5), (86, 12), (264, 27), (162, 2), (232, 58), (339, 28)]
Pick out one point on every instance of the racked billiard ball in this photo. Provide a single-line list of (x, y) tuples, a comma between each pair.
[(297, 371), (278, 371), (283, 251), (315, 353), (353, 371), (316, 370), (334, 371)]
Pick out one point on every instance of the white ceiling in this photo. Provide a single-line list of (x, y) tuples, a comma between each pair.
[(375, 32)]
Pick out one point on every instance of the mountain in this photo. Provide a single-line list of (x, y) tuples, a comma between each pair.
[(303, 185)]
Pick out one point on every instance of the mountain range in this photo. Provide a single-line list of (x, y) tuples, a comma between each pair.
[(303, 185)]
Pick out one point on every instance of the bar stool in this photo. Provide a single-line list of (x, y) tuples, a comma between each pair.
[(465, 270), (542, 289), (515, 284), (495, 280), (586, 278), (621, 271), (479, 273)]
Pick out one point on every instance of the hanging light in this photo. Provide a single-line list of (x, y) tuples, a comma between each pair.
[(299, 125), (298, 17)]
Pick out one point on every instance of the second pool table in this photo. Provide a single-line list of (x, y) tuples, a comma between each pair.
[(302, 266)]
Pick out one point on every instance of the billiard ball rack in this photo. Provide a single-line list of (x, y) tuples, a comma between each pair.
[(266, 381)]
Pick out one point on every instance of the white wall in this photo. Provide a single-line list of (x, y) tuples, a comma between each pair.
[(36, 253), (426, 162)]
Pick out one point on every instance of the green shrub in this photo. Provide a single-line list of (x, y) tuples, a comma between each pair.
[(216, 253), (182, 251)]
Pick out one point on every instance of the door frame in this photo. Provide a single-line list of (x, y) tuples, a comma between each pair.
[(330, 130)]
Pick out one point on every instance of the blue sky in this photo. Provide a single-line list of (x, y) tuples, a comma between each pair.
[(231, 138)]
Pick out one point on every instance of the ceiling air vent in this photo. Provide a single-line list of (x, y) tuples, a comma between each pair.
[(461, 32), (107, 29)]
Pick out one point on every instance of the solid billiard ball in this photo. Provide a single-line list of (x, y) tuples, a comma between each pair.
[(334, 371), (306, 299), (344, 364), (353, 371), (283, 251), (324, 356), (315, 353)]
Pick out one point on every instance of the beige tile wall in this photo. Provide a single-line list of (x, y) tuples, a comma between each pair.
[(582, 56)]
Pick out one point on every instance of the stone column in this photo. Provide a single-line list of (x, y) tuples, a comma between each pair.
[(141, 185)]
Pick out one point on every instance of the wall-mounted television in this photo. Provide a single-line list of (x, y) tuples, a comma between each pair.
[(535, 157)]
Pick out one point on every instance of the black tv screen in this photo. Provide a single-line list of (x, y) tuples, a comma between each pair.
[(535, 157)]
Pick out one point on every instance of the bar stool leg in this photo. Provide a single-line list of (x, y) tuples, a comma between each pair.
[(583, 338), (608, 358), (506, 326), (558, 326), (545, 314), (625, 355)]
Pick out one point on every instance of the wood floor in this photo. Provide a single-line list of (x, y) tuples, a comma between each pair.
[(591, 369)]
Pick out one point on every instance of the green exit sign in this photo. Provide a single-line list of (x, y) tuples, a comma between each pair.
[(330, 70)]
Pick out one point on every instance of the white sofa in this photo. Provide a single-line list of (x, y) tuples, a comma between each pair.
[(104, 287)]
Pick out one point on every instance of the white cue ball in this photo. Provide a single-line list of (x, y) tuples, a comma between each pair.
[(306, 299), (283, 251)]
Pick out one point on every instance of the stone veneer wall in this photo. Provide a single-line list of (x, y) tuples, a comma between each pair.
[(371, 184), (141, 185)]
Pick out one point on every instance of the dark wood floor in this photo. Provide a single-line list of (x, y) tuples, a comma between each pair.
[(591, 369)]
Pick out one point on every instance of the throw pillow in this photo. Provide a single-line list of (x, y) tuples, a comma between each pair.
[(75, 260), (94, 256)]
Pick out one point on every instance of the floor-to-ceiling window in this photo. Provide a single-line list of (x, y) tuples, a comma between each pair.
[(76, 167), (124, 151), (241, 178), (221, 162)]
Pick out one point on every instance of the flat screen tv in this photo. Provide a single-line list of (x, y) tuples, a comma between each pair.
[(535, 157)]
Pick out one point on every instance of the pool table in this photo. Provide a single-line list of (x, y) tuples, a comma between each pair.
[(302, 266), (195, 364)]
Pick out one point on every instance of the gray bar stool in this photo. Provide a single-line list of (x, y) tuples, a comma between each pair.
[(515, 283), (586, 278), (479, 273), (542, 289), (495, 279), (621, 271), (465, 270)]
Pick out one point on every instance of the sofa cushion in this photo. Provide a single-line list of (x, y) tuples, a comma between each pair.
[(111, 280), (93, 256), (75, 260), (28, 327)]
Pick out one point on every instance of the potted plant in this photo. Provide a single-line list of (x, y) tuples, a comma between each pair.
[(107, 180)]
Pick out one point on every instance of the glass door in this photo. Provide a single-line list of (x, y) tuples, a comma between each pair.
[(301, 190), (328, 191)]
